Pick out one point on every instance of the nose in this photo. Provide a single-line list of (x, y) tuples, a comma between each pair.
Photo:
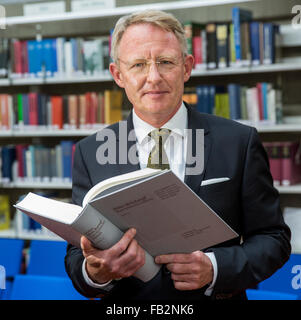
[(153, 73)]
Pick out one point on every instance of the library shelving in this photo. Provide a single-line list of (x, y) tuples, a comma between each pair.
[(277, 72)]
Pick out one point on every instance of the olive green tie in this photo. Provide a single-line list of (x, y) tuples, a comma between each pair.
[(158, 158)]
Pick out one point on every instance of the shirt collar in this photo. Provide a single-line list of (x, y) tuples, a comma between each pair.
[(177, 124)]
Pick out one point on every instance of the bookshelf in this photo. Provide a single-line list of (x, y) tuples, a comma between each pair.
[(184, 10)]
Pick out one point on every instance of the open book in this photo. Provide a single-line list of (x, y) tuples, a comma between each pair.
[(168, 216)]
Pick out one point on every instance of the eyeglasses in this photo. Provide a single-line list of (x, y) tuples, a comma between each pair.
[(142, 66)]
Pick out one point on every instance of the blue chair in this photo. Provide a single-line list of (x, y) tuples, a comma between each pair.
[(34, 287), (11, 259), (47, 258), (253, 294), (287, 279)]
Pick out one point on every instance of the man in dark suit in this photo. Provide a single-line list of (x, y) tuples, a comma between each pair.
[(151, 63)]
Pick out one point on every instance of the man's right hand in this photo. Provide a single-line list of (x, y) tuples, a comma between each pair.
[(120, 261)]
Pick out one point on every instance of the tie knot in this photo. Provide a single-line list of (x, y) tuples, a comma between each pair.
[(157, 133)]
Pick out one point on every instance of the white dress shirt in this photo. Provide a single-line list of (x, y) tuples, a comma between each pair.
[(175, 148)]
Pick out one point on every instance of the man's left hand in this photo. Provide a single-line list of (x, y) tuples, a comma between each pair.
[(188, 271)]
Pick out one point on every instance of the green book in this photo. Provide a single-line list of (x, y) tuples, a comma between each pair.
[(20, 109)]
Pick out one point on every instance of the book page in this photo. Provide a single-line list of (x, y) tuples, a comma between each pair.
[(103, 185), (49, 208)]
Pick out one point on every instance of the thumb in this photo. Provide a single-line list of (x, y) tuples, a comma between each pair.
[(86, 245)]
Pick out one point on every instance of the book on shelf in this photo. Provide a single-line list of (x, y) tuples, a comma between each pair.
[(58, 57), (113, 106), (240, 19), (89, 110), (136, 199), (4, 212), (222, 45), (285, 162), (252, 105), (37, 163)]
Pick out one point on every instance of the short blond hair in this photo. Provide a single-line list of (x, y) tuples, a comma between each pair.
[(161, 19)]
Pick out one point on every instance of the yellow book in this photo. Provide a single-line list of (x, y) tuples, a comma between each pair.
[(113, 106), (4, 212)]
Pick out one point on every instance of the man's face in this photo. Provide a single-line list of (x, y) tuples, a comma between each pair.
[(152, 71)]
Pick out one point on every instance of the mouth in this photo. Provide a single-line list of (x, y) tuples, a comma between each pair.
[(155, 93)]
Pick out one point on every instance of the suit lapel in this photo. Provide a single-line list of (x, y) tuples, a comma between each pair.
[(196, 121)]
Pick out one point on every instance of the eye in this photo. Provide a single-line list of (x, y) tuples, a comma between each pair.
[(139, 65)]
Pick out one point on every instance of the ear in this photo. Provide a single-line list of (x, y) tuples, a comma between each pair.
[(188, 65), (116, 74)]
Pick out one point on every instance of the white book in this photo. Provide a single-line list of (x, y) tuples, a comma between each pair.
[(168, 216)]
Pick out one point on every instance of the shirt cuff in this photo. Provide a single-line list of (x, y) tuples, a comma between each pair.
[(212, 258), (91, 283)]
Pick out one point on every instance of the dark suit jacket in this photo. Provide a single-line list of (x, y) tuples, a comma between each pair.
[(248, 202)]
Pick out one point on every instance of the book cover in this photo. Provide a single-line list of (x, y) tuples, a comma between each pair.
[(4, 212), (113, 106), (222, 47), (211, 43), (239, 16), (115, 205), (57, 111)]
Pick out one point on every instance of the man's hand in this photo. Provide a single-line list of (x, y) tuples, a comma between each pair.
[(188, 271), (120, 261)]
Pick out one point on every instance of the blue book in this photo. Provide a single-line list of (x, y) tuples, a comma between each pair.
[(67, 158), (25, 105), (254, 38), (264, 89), (200, 106), (74, 46), (238, 16), (32, 59), (269, 33), (8, 155), (47, 59), (211, 99), (234, 101), (54, 56), (206, 99)]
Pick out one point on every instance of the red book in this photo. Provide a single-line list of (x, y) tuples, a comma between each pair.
[(57, 111), (33, 108), (197, 51), (291, 168), (24, 51), (260, 102), (20, 150), (93, 107), (88, 108), (17, 56)]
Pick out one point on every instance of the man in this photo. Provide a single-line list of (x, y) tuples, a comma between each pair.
[(151, 64)]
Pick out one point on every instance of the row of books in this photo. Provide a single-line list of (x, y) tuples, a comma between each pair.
[(241, 42), (285, 161), (37, 163), (84, 111), (261, 103), (56, 57)]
